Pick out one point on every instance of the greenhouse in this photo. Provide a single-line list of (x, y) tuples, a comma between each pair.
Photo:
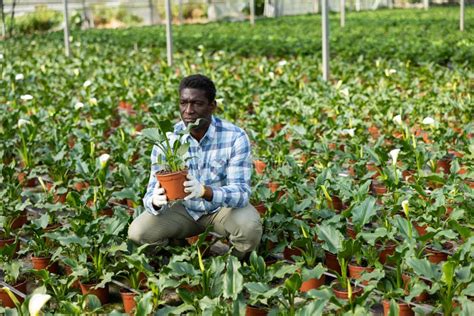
[(234, 157)]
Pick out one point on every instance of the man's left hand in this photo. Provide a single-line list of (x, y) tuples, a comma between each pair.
[(193, 187)]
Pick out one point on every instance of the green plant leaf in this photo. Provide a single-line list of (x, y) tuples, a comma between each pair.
[(332, 238), (233, 279), (424, 268), (362, 213)]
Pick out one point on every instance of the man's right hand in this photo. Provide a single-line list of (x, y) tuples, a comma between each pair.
[(159, 198)]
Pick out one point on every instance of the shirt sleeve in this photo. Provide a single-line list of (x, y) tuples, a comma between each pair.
[(147, 199), (236, 193)]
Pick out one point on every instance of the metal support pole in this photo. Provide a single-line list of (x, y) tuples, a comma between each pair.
[(66, 30), (152, 12), (325, 38), (390, 4), (461, 15), (169, 37), (342, 9), (4, 27), (252, 12), (357, 5), (180, 11), (426, 4)]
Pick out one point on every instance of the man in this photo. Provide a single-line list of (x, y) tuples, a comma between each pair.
[(218, 183)]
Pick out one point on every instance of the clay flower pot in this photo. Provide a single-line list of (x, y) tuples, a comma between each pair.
[(128, 299), (312, 283), (20, 220), (355, 272), (444, 165), (27, 183), (255, 311), (421, 229), (44, 263), (79, 186), (9, 241), (173, 184), (342, 293), (371, 167), (337, 203), (386, 250), (406, 282), (289, 252), (437, 256), (350, 232), (331, 262), (259, 166), (261, 208), (5, 299), (378, 188), (101, 293), (404, 309)]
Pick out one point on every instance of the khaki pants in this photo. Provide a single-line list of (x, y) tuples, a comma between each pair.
[(241, 226)]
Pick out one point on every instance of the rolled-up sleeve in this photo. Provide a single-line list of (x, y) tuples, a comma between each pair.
[(236, 193)]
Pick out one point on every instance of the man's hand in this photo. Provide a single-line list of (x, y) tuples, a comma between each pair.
[(159, 198), (193, 187)]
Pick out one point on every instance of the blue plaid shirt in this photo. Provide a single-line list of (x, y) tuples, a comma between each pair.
[(221, 160)]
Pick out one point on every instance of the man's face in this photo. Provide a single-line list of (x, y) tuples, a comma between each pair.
[(194, 105)]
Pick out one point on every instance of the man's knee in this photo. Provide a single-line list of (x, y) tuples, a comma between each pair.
[(247, 230), (136, 234)]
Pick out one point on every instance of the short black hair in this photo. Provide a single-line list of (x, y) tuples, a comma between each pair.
[(200, 82)]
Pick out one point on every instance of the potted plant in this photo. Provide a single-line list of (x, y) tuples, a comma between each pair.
[(40, 247), (171, 158), (13, 277)]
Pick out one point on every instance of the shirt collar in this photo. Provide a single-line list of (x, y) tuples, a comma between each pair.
[(210, 134)]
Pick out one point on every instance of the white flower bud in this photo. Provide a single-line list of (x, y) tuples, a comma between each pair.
[(78, 105), (26, 97), (394, 154), (37, 301), (22, 122), (19, 77), (397, 119), (87, 83), (103, 159), (428, 121)]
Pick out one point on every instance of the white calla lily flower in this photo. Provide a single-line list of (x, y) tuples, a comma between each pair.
[(87, 83), (103, 159), (22, 122), (394, 154), (348, 131), (405, 207), (26, 97), (19, 77), (282, 63), (429, 121), (37, 301), (78, 105), (397, 119)]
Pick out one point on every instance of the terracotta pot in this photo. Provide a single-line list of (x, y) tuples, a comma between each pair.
[(355, 272), (5, 299), (408, 175), (79, 186), (60, 198), (101, 293), (106, 212), (404, 309), (255, 311), (289, 252), (68, 271), (341, 293), (421, 229), (273, 186), (26, 183), (470, 183), (406, 283), (261, 208), (312, 284), (259, 166), (378, 188), (10, 241), (371, 167), (374, 132), (386, 250), (331, 262), (173, 184), (444, 165), (128, 299), (350, 232), (337, 203), (20, 220), (436, 256), (41, 263)]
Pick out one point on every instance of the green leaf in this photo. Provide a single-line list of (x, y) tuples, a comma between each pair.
[(233, 279), (423, 267), (315, 272), (315, 308), (145, 305), (332, 238), (362, 213)]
